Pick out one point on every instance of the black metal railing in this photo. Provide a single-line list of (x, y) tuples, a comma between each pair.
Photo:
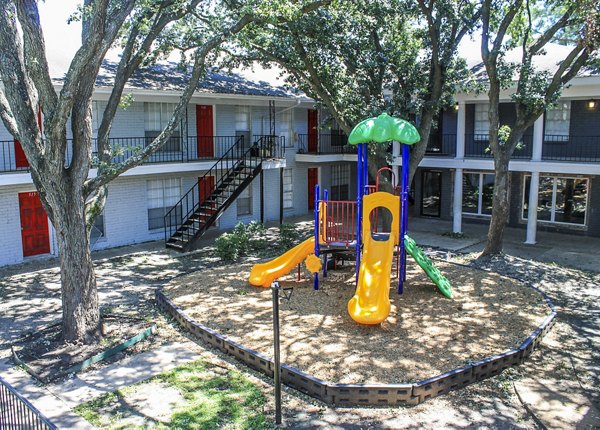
[(571, 148), (209, 147), (177, 149), (271, 145), (324, 144), (441, 145), (16, 412), (478, 146), (200, 195)]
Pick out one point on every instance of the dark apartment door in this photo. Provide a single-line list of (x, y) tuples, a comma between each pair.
[(34, 225), (431, 191), (312, 130), (204, 131), (206, 186), (313, 178)]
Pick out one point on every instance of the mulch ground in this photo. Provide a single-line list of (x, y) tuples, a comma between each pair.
[(426, 334)]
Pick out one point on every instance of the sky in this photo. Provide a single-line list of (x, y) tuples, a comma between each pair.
[(63, 40)]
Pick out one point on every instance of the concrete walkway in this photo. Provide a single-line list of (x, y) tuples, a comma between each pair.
[(56, 401)]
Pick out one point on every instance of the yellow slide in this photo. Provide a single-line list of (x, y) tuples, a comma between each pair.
[(371, 301), (262, 275)]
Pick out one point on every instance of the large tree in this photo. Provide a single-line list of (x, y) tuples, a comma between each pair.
[(511, 25), (360, 58), (144, 30)]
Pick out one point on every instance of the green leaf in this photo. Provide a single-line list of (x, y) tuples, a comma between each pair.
[(384, 128)]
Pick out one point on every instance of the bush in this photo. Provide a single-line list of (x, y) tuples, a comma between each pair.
[(288, 236), (242, 240)]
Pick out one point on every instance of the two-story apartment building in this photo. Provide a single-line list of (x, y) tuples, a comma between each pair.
[(251, 150), (555, 170), (227, 117)]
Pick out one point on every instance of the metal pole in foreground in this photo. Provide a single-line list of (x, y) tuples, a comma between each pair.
[(277, 358)]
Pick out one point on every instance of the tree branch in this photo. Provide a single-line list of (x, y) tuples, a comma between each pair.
[(19, 99), (106, 176), (35, 53)]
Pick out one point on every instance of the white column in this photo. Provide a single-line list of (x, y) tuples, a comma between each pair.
[(460, 131), (396, 157), (457, 201), (538, 139), (532, 206)]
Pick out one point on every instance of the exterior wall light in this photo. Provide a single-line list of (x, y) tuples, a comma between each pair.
[(591, 104), (456, 106)]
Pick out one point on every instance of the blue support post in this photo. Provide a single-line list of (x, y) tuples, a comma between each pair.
[(317, 210), (326, 199), (359, 197), (403, 215)]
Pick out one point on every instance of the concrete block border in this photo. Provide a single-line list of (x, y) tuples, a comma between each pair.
[(364, 394)]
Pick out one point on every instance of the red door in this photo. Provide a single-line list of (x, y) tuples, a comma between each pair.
[(34, 225), (313, 178), (312, 130), (204, 131), (20, 158), (206, 185)]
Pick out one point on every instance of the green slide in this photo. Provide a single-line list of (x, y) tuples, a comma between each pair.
[(433, 272)]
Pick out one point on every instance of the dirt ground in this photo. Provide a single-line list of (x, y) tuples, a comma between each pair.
[(426, 334)]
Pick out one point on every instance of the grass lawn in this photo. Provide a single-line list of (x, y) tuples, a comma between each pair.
[(194, 395)]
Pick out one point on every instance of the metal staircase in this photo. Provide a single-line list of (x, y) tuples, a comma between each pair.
[(216, 190)]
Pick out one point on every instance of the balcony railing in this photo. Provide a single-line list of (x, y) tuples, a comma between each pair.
[(324, 144), (441, 145), (273, 146), (582, 149), (478, 146), (175, 150)]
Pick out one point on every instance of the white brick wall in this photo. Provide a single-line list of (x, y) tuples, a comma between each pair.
[(125, 215)]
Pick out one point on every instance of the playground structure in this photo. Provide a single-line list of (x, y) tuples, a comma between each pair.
[(343, 227)]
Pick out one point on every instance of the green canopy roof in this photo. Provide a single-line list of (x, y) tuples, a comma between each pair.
[(384, 128)]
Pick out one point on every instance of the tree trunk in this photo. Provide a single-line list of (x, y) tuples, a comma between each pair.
[(81, 316), (500, 209)]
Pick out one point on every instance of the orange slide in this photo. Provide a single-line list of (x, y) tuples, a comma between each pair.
[(262, 275)]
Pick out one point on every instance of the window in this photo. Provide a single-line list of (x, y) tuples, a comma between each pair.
[(244, 201), (242, 124), (97, 113), (163, 194), (560, 199), (478, 189), (156, 117), (285, 127), (340, 178), (558, 120), (288, 201), (431, 192), (242, 114), (482, 122), (98, 228)]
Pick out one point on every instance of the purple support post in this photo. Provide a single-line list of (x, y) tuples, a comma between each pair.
[(359, 197), (403, 215), (316, 210), (326, 199), (365, 168)]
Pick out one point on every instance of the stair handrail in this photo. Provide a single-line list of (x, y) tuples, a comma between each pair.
[(228, 163), (224, 163)]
